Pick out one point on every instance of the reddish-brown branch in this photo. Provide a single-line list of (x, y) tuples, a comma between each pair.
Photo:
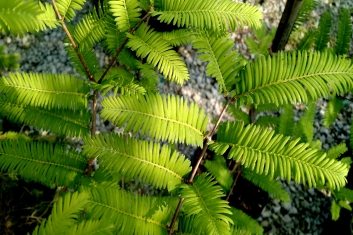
[(74, 46), (208, 139), (175, 216), (234, 183)]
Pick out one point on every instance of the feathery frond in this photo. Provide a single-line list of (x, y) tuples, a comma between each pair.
[(337, 151), (263, 41), (89, 30), (126, 13), (305, 10), (161, 117), (131, 214), (286, 121), (334, 106), (26, 15), (146, 4), (244, 222), (238, 114), (344, 32), (220, 15), (269, 107), (104, 178), (323, 33), (135, 158), (294, 77), (121, 81), (218, 169), (148, 44), (203, 199), (48, 17), (344, 194), (149, 77), (128, 59), (64, 214), (308, 41), (114, 37), (272, 186), (51, 165), (224, 64), (178, 37), (276, 156), (67, 8), (304, 129), (335, 210), (59, 121), (45, 90), (267, 121), (88, 55), (186, 226), (94, 227)]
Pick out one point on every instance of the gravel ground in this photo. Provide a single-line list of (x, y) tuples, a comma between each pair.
[(308, 208)]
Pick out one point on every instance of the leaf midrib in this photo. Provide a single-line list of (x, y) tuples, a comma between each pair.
[(45, 91), (128, 214), (43, 162), (157, 117), (288, 80), (282, 156), (138, 159)]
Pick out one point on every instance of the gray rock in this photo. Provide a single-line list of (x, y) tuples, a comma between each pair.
[(287, 219)]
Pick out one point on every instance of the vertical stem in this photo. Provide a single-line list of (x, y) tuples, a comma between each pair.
[(94, 113), (233, 185), (286, 24), (72, 41), (208, 139), (175, 216), (120, 49)]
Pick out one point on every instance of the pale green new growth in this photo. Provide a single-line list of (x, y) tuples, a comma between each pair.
[(58, 121), (131, 214), (126, 13), (294, 77), (20, 17), (219, 169), (223, 62), (67, 106), (45, 90), (161, 117), (203, 199), (64, 214), (43, 162), (150, 45), (134, 158), (264, 152), (220, 15), (67, 8)]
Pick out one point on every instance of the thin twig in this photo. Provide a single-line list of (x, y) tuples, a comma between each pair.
[(208, 139), (94, 112), (234, 183), (74, 46), (175, 216), (120, 49), (235, 167)]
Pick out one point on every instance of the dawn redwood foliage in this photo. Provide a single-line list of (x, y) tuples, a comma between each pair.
[(196, 204)]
